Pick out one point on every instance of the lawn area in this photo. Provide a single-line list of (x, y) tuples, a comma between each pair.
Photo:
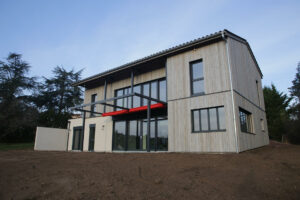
[(271, 172), (16, 146)]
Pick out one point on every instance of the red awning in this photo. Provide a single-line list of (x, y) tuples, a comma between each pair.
[(132, 110), (119, 112)]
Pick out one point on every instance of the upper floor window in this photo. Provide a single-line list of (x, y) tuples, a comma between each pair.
[(257, 90), (197, 77), (245, 121), (208, 119), (93, 107), (156, 89)]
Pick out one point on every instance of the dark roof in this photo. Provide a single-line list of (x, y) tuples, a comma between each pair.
[(171, 51)]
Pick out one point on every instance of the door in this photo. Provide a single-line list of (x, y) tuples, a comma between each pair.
[(77, 139), (92, 137), (133, 139)]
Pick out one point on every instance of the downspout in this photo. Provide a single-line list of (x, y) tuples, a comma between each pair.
[(231, 89)]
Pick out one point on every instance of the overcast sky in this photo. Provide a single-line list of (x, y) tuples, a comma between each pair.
[(99, 35)]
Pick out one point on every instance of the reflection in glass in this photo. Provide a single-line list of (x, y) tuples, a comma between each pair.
[(152, 134), (154, 91), (221, 112), (204, 120), (197, 70), (162, 90), (119, 135), (162, 134), (213, 119), (196, 120), (133, 139), (136, 99), (146, 92), (198, 86)]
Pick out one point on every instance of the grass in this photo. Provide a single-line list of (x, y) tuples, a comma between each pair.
[(16, 146)]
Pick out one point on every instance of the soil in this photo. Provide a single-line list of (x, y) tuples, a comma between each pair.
[(271, 172)]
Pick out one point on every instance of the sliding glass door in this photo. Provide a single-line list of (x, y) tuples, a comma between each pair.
[(131, 135)]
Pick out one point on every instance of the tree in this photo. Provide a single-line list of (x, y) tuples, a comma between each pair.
[(276, 110), (293, 131), (295, 89), (17, 116), (56, 96)]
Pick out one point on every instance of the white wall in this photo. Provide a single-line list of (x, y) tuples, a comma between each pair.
[(103, 133), (50, 139)]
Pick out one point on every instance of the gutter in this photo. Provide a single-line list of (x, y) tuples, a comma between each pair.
[(231, 90)]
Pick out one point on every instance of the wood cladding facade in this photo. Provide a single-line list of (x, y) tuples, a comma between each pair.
[(218, 63)]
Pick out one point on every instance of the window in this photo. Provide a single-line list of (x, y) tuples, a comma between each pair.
[(131, 135), (93, 107), (257, 90), (262, 124), (92, 137), (163, 90), (208, 119), (245, 121), (197, 77), (156, 89)]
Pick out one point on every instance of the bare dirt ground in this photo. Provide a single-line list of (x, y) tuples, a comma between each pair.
[(271, 172)]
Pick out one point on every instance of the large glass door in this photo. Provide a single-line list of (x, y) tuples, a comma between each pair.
[(92, 137), (77, 139), (131, 135)]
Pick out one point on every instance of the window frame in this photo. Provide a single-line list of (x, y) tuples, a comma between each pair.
[(141, 85), (93, 107), (262, 125), (208, 120), (197, 79), (249, 117)]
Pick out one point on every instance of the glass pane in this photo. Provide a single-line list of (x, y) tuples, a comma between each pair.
[(144, 139), (76, 140), (152, 134), (133, 139), (92, 138), (146, 92), (137, 100), (163, 90), (119, 135), (125, 99), (162, 134), (154, 91), (94, 96), (222, 125), (197, 70), (204, 120), (77, 143), (196, 121), (198, 86), (119, 102), (213, 119), (243, 121), (93, 99)]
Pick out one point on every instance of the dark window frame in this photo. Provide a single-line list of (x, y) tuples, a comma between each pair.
[(81, 143), (249, 118), (208, 120), (197, 79), (142, 91), (92, 126), (153, 119), (93, 107)]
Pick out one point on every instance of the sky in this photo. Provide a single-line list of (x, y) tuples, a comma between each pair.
[(97, 35)]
